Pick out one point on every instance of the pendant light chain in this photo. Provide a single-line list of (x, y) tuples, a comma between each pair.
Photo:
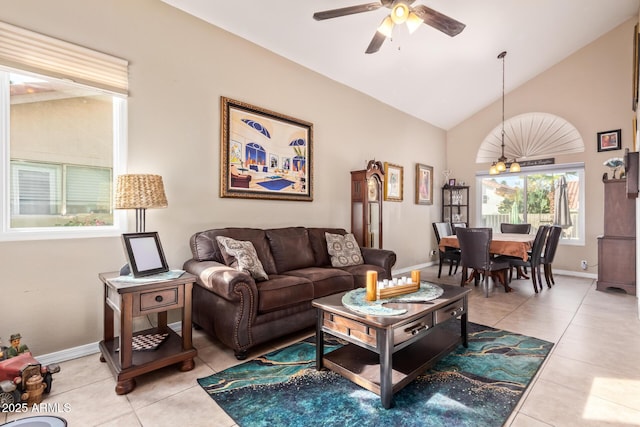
[(500, 165)]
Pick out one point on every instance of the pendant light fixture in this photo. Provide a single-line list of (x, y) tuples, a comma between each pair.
[(501, 164)]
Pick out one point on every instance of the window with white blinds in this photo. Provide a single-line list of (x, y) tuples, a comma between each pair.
[(62, 137), (30, 51)]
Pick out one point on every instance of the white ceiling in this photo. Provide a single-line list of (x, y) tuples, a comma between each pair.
[(429, 75)]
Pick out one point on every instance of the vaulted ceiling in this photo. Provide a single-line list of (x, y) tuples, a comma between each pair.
[(440, 79)]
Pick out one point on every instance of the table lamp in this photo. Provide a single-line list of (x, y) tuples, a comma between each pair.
[(139, 192)]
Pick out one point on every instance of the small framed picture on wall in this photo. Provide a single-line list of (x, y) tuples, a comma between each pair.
[(610, 140)]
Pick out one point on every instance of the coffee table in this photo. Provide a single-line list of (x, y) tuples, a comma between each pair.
[(388, 352)]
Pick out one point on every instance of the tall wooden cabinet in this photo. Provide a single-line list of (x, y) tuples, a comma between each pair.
[(617, 247), (366, 207)]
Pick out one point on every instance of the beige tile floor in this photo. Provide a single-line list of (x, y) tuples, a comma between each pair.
[(591, 378)]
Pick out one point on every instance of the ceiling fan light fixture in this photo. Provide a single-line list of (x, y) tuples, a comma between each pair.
[(386, 28), (413, 22), (399, 13)]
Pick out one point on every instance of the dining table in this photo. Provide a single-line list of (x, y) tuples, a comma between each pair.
[(511, 244)]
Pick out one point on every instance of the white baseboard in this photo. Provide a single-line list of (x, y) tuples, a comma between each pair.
[(413, 267), (82, 350)]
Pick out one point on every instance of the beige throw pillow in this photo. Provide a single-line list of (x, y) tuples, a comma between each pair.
[(242, 256), (344, 250)]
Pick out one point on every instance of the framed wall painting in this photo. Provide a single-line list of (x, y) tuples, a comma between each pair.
[(610, 140), (424, 184), (393, 176), (264, 154)]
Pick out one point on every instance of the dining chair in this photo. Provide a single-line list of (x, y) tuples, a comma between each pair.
[(474, 253), (456, 225), (549, 253), (534, 258), (452, 255), (506, 227)]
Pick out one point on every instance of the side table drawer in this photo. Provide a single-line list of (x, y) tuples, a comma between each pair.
[(158, 300)]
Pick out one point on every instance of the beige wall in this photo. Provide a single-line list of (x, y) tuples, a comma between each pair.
[(179, 68), (590, 89)]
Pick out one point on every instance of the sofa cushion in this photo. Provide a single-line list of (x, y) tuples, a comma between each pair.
[(318, 242), (242, 256), (290, 248), (204, 245), (344, 250), (326, 280), (282, 291)]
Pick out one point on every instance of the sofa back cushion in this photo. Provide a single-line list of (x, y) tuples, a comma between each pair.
[(204, 246), (290, 248), (319, 244)]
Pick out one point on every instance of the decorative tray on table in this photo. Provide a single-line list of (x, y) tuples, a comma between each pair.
[(356, 299)]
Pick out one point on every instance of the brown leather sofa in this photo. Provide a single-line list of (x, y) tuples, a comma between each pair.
[(242, 313)]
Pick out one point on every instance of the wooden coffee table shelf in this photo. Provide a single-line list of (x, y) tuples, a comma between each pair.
[(130, 300), (388, 352)]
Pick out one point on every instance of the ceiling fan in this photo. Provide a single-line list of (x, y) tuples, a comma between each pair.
[(401, 12)]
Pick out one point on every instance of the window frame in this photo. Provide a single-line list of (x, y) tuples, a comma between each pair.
[(577, 167), (120, 125)]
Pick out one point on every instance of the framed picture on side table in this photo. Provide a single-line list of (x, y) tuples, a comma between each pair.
[(424, 184), (144, 253), (393, 182)]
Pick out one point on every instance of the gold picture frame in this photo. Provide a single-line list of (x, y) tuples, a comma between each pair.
[(424, 184), (393, 182), (264, 154)]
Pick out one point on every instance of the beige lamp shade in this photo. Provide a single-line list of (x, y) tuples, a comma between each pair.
[(140, 191)]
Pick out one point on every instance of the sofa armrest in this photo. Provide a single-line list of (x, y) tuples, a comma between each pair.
[(220, 279), (379, 257)]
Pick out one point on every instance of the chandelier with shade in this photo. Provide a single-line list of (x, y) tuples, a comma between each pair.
[(500, 165)]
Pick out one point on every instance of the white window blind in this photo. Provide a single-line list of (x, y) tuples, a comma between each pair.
[(26, 50)]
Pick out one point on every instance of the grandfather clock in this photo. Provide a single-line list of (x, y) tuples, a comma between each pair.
[(366, 205)]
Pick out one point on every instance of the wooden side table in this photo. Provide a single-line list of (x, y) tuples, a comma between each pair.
[(139, 298)]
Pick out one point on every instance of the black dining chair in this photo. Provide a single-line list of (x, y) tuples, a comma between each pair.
[(506, 227), (451, 255), (534, 258), (549, 253), (456, 225), (474, 253)]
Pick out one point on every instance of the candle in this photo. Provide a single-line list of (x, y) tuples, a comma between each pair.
[(372, 281), (415, 276)]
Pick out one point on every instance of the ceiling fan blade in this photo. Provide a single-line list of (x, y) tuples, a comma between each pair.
[(376, 42), (437, 20), (335, 13)]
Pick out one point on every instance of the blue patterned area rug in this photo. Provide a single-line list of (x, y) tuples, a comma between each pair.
[(475, 386)]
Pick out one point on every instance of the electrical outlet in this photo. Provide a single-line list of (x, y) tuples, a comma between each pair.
[(433, 253), (583, 264)]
